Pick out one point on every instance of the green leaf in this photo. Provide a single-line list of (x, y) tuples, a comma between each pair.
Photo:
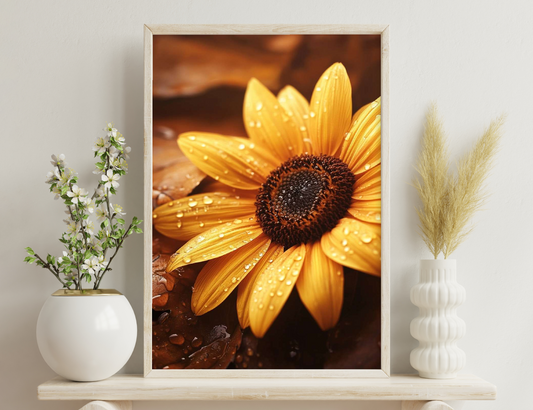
[(121, 221), (69, 283), (49, 258), (30, 251), (138, 230), (100, 165), (88, 277), (112, 190), (39, 263), (130, 231)]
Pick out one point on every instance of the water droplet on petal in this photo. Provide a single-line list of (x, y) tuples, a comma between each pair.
[(208, 200), (258, 106), (187, 260), (366, 238), (191, 137), (242, 146), (192, 203)]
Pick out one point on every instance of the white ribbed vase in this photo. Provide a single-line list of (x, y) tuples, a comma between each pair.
[(437, 327)]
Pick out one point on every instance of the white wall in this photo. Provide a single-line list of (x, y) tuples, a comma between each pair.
[(67, 67)]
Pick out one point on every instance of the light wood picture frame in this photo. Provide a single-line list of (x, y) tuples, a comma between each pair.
[(292, 376)]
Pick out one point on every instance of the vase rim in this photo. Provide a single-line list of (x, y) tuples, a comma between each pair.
[(87, 292)]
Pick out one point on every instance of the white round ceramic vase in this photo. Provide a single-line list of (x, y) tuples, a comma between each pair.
[(437, 327), (86, 336)]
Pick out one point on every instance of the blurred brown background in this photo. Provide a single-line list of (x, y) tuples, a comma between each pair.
[(198, 85)]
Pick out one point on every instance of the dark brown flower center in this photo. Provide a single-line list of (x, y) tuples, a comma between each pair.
[(304, 198)]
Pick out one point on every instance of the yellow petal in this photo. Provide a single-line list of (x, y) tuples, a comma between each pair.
[(246, 287), (192, 215), (220, 276), (368, 185), (297, 107), (216, 242), (267, 123), (321, 286), (369, 211), (361, 148), (355, 244), (273, 287), (330, 110), (234, 161)]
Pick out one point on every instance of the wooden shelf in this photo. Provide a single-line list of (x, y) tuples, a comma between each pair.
[(397, 387)]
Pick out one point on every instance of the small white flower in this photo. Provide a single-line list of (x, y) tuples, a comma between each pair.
[(90, 205), (111, 132), (52, 176), (77, 194), (58, 161), (120, 139), (114, 152), (101, 145), (127, 150), (95, 243), (66, 176), (111, 179), (101, 260), (89, 228), (101, 214), (72, 227), (100, 194), (119, 163), (91, 265), (118, 210)]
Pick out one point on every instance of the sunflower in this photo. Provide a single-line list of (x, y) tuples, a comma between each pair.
[(293, 204)]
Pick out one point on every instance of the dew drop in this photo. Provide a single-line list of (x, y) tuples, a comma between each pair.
[(154, 216), (279, 293), (346, 231), (170, 204), (234, 280), (225, 289), (258, 106), (192, 137), (312, 114), (258, 124), (344, 242), (202, 224), (271, 307), (192, 204), (208, 200), (302, 128), (367, 167), (237, 221), (288, 283), (179, 215), (366, 238), (206, 157), (187, 260), (178, 224), (298, 258), (261, 306), (242, 146)]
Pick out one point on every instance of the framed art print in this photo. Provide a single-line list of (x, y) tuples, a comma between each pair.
[(266, 201)]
